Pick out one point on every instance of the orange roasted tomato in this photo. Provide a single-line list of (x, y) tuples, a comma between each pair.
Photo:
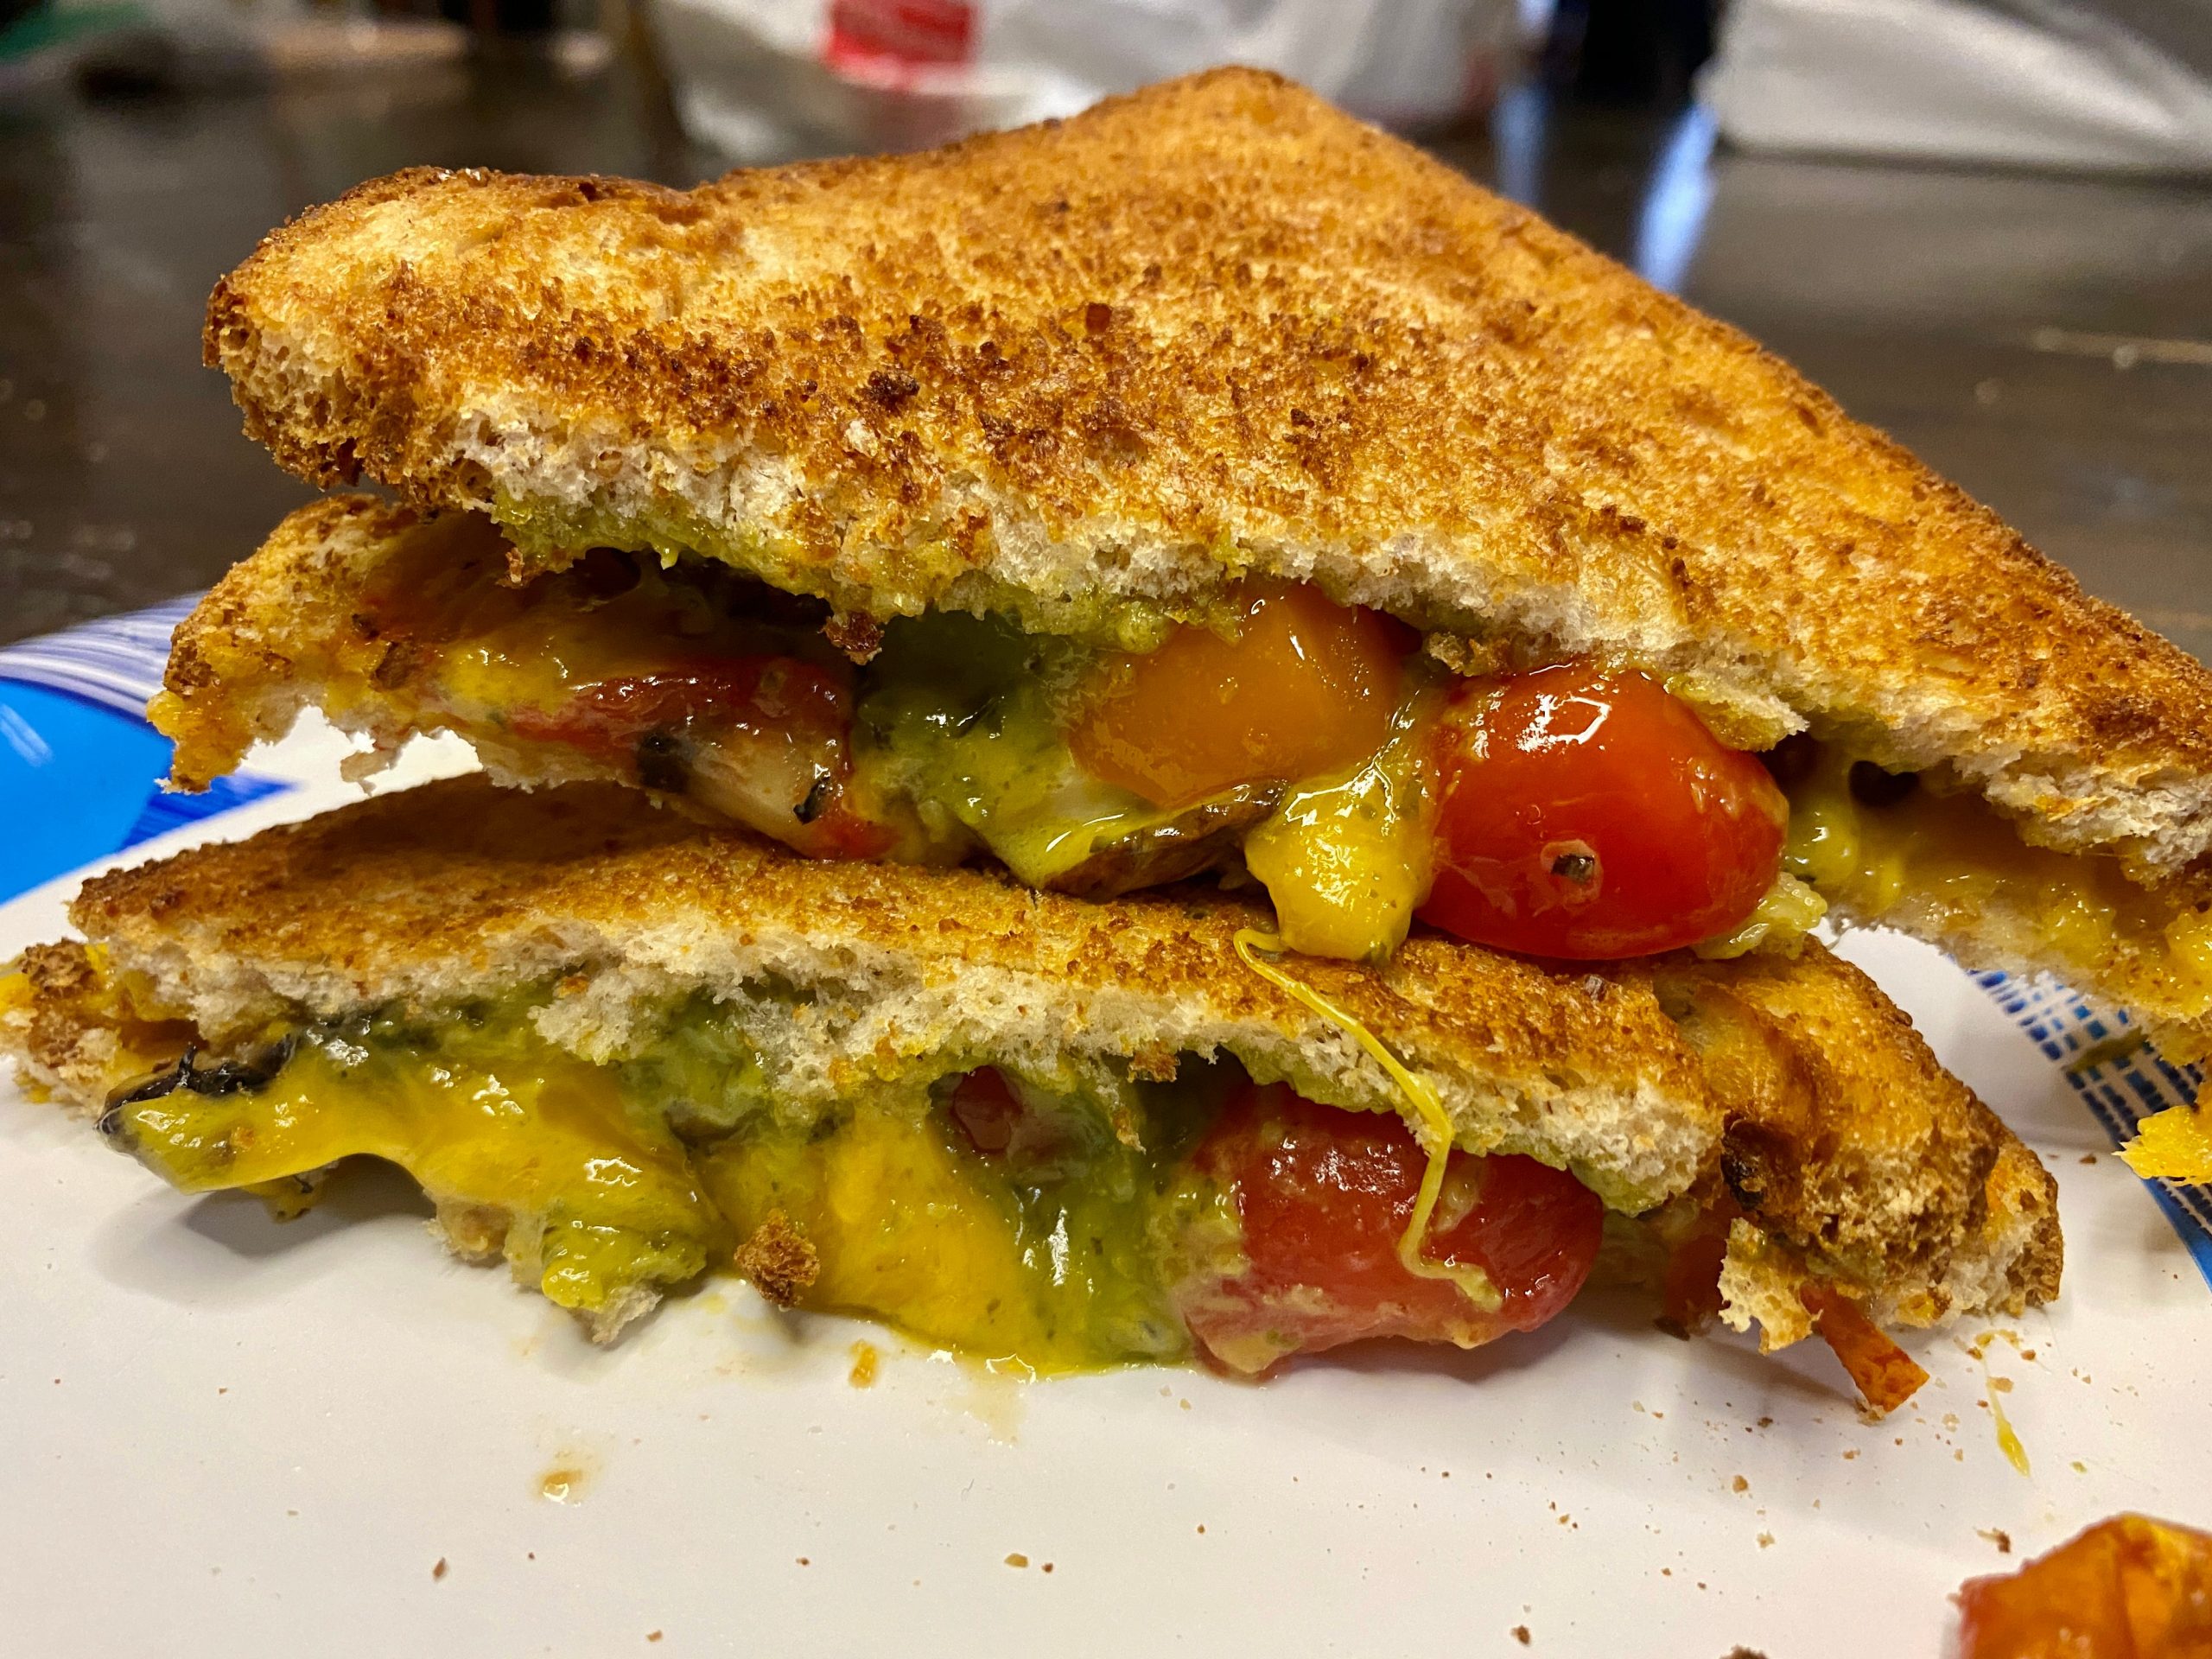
[(1588, 814), (1886, 1374), (1324, 1196), (760, 739), (2128, 1588), (1306, 688)]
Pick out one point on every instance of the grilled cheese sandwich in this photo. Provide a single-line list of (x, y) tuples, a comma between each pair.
[(620, 1051), (1210, 385)]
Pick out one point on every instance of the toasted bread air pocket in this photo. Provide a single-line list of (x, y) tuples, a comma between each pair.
[(621, 1051)]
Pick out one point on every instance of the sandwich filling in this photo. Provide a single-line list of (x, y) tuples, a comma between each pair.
[(1572, 810), (1055, 1222), (1034, 1221)]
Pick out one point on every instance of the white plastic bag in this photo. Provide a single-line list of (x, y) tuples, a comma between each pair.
[(763, 79), (2124, 84)]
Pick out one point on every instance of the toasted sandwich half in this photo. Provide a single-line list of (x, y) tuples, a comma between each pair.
[(1205, 481), (623, 1050)]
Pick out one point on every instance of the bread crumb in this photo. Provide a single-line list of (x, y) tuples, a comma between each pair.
[(1017, 1558), (864, 1360), (439, 1571), (1739, 1484), (652, 1636), (2088, 1157), (1202, 1526), (778, 1260), (1521, 1634), (1766, 1541), (1998, 1536), (803, 1561)]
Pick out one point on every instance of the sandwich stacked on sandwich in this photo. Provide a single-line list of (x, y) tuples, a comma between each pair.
[(1176, 729)]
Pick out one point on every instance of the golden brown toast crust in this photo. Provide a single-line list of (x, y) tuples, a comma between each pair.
[(1794, 1082), (293, 626), (1213, 327)]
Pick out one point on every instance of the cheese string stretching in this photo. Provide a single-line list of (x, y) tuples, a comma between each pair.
[(1432, 1128)]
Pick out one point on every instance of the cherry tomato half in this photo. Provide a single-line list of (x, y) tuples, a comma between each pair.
[(1324, 1195), (1590, 815), (1307, 688)]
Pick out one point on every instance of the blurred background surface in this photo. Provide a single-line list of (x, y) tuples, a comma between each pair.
[(1988, 226)]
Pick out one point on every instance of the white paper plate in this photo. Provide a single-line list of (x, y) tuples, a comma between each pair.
[(220, 1435)]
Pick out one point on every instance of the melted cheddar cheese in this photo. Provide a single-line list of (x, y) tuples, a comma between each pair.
[(526, 1152), (1348, 859), (2175, 1145), (576, 1174), (910, 1226), (1948, 865)]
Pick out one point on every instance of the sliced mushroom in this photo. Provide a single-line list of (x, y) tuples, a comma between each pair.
[(248, 1074), (1195, 839)]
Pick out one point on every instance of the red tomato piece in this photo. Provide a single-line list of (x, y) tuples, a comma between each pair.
[(783, 695), (2129, 1587), (761, 741), (1043, 1142), (1590, 815), (986, 1108), (1306, 688), (1325, 1195)]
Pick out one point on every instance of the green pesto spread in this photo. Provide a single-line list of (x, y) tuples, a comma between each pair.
[(598, 1182)]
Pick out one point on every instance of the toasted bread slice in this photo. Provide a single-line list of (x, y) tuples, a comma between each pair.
[(293, 624), (1791, 1085), (1094, 371)]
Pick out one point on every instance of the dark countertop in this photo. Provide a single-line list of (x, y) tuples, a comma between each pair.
[(2046, 341)]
